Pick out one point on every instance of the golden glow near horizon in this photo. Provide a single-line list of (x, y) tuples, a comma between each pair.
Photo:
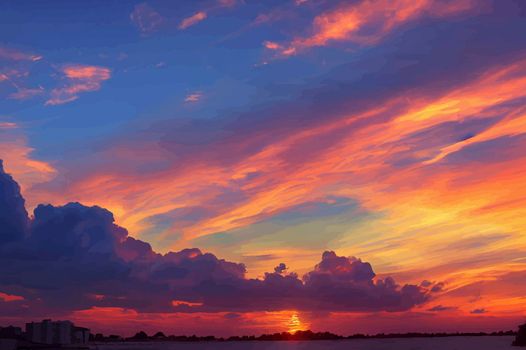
[(295, 324)]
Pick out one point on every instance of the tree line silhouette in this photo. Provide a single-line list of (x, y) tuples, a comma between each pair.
[(286, 336)]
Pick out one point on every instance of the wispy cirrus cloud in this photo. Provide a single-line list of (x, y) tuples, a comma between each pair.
[(203, 14), (193, 97), (146, 19), (26, 93), (16, 70), (79, 79), (227, 3), (274, 15), (10, 297), (8, 125), (193, 20), (237, 175), (18, 155), (369, 21), (16, 55)]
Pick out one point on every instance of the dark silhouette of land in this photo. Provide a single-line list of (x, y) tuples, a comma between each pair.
[(141, 336), (520, 338), (286, 336)]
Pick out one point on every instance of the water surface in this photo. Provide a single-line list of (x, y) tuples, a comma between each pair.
[(448, 343)]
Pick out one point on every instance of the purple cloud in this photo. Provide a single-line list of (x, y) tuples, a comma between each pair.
[(478, 311), (75, 257), (13, 214), (440, 308)]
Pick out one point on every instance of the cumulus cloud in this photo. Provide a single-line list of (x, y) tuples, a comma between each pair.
[(13, 215), (281, 268), (74, 257), (79, 79)]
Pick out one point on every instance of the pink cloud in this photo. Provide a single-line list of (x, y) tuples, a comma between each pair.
[(26, 93), (7, 125), (80, 79), (192, 20), (271, 45), (367, 22), (18, 156), (15, 55), (145, 18), (227, 3), (193, 97), (87, 72)]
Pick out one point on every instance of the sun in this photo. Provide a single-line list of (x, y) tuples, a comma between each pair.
[(295, 324)]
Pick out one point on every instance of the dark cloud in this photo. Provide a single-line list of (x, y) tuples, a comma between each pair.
[(75, 257), (439, 308), (478, 311), (281, 268), (13, 214)]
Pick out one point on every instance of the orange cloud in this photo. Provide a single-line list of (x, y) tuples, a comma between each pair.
[(192, 20), (368, 21), (307, 182), (426, 205), (128, 321), (10, 297), (271, 45), (18, 161), (80, 79)]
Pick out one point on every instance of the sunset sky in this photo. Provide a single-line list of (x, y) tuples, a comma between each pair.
[(258, 160)]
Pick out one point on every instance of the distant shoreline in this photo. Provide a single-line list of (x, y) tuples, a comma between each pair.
[(141, 337)]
